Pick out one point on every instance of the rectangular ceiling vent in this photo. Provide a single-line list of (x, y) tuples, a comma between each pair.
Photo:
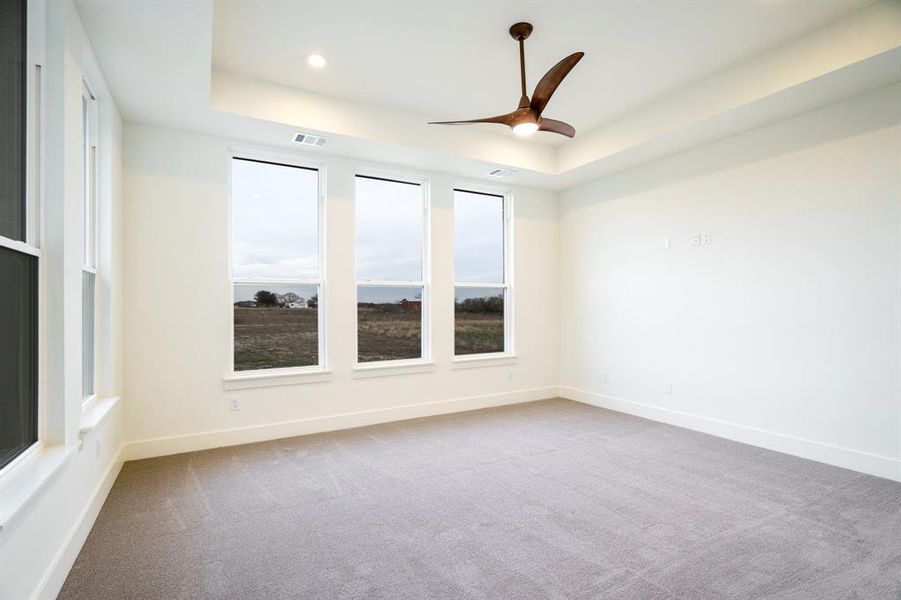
[(308, 139), (501, 172)]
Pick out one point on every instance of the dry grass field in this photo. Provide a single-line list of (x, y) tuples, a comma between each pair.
[(478, 333), (272, 338), (386, 332)]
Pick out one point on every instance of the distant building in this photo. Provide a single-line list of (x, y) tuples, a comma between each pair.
[(411, 305), (245, 304)]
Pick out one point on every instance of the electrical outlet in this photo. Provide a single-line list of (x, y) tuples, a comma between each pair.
[(696, 239), (668, 388), (233, 403), (705, 238), (605, 378), (509, 375), (99, 446), (666, 244)]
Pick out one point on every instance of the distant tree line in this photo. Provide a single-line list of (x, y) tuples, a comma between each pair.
[(487, 305), (267, 299)]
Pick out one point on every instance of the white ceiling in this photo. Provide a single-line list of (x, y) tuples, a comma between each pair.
[(658, 77), (455, 59)]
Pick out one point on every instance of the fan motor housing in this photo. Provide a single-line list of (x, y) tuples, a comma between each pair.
[(520, 31)]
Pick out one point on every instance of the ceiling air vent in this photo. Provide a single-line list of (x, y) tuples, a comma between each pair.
[(308, 139), (501, 172)]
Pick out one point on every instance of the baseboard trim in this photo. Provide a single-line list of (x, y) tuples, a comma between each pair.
[(150, 448), (848, 458), (59, 568)]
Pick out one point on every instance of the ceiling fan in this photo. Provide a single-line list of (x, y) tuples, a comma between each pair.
[(527, 119)]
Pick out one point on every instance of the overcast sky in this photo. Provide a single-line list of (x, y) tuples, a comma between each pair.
[(388, 230), (274, 221), (478, 238), (275, 229)]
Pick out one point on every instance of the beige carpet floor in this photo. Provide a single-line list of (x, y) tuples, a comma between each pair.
[(549, 499)]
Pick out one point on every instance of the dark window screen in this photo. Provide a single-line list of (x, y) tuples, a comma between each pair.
[(18, 270), (18, 352), (12, 119)]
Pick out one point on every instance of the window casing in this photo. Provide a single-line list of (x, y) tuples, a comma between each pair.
[(89, 196), (276, 264), (483, 289), (392, 270), (19, 252)]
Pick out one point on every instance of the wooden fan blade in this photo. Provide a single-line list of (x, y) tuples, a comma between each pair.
[(503, 119), (551, 81), (556, 127)]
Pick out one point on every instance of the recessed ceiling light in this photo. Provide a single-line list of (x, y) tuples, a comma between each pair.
[(317, 61)]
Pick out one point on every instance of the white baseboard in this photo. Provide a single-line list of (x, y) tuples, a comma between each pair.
[(62, 563), (864, 462), (258, 433)]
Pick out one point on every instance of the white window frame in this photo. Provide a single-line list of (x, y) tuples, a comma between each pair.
[(509, 351), (282, 375), (89, 215), (34, 222), (402, 365)]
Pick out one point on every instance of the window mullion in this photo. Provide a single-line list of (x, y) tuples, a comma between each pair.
[(275, 281), (468, 284)]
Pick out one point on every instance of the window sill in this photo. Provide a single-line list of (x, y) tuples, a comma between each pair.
[(259, 380), (478, 361), (391, 368), (95, 412), (27, 477)]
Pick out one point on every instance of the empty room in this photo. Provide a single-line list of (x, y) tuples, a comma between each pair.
[(450, 299)]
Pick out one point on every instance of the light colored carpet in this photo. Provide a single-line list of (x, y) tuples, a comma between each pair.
[(549, 499)]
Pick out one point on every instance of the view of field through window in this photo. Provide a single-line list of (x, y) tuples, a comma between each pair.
[(276, 326), (478, 320), (479, 272), (275, 248), (389, 255), (389, 323), (275, 268)]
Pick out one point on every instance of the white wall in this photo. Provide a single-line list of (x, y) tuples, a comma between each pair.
[(66, 478), (178, 310), (40, 544), (784, 330)]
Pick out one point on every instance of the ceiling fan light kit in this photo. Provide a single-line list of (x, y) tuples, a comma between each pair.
[(525, 129), (527, 119)]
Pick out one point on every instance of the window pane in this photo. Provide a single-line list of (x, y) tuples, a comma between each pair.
[(275, 221), (478, 320), (389, 323), (87, 333), (88, 192), (478, 238), (389, 230), (276, 326), (12, 120), (18, 352)]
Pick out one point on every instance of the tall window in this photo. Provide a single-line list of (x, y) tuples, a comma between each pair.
[(275, 265), (392, 282), (482, 295), (89, 243), (18, 252)]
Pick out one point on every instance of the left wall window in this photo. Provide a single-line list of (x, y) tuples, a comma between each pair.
[(89, 243), (18, 252), (275, 266)]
